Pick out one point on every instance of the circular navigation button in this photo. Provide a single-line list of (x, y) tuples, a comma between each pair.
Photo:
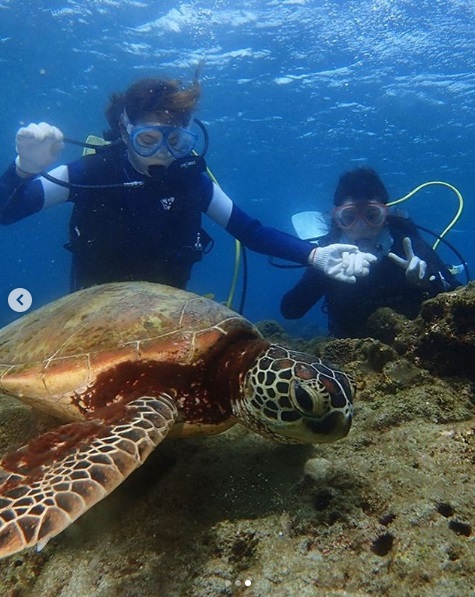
[(20, 300)]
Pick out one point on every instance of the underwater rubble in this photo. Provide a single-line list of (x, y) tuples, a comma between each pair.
[(390, 510)]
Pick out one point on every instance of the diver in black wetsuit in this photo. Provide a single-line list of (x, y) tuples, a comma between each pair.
[(404, 272), (138, 202)]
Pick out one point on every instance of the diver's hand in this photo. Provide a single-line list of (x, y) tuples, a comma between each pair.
[(416, 268), (342, 262), (38, 146)]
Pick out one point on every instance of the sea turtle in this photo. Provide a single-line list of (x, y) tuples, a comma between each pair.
[(130, 364)]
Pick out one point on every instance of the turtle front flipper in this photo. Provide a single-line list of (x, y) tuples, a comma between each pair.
[(58, 476)]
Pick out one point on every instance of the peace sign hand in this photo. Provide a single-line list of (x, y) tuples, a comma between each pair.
[(416, 268)]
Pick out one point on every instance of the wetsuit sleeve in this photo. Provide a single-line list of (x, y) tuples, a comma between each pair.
[(253, 234), (304, 295), (20, 197)]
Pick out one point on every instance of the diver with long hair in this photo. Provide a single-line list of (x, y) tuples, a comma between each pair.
[(404, 270)]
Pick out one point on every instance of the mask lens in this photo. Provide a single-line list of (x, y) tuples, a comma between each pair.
[(149, 140), (346, 216), (375, 215), (180, 142)]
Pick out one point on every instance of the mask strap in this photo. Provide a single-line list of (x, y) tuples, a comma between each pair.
[(125, 120)]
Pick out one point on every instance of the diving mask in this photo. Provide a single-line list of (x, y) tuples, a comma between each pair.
[(148, 140), (373, 214)]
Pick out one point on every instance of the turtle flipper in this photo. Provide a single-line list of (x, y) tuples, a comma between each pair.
[(54, 479)]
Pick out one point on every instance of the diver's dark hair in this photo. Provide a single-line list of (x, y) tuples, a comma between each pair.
[(152, 95), (360, 184)]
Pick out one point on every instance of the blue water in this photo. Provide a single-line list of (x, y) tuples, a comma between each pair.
[(294, 93)]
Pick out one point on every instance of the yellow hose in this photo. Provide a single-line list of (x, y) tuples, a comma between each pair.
[(237, 256), (444, 184)]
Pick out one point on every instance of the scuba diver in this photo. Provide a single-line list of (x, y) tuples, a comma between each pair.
[(404, 270), (138, 201)]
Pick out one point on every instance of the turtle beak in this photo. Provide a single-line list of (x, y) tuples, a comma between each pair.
[(328, 429), (313, 430)]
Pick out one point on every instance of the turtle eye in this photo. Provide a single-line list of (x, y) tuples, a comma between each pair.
[(301, 398)]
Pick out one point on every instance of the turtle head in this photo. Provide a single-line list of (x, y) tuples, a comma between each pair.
[(295, 397)]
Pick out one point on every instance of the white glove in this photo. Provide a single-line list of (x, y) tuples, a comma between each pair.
[(416, 268), (38, 146), (358, 264), (342, 262)]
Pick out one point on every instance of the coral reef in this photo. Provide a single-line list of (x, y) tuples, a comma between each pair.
[(441, 338), (389, 510)]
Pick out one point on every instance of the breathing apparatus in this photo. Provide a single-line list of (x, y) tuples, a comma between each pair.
[(303, 221)]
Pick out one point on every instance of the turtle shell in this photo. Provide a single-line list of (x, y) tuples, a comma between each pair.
[(115, 341)]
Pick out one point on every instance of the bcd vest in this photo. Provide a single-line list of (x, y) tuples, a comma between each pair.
[(150, 232)]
